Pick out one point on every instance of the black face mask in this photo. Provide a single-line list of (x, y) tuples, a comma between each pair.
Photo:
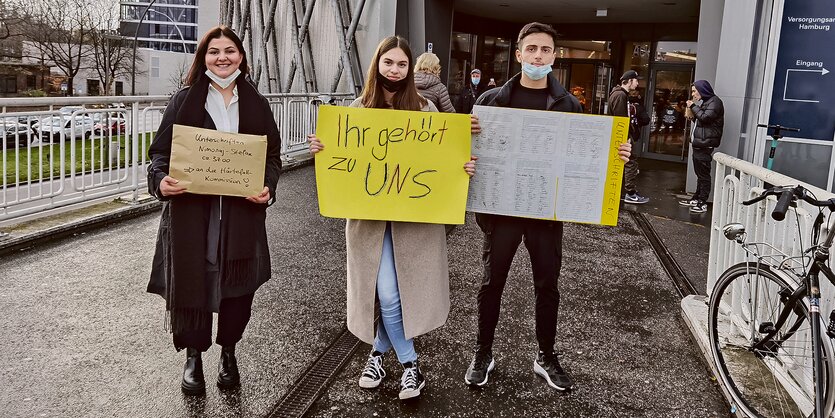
[(392, 86)]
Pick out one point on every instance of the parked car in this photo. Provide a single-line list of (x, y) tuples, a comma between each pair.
[(113, 124), (68, 110), (15, 134), (51, 127)]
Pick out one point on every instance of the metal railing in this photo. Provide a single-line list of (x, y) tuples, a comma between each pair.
[(57, 152), (737, 181)]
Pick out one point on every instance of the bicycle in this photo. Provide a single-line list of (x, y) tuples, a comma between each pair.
[(765, 325)]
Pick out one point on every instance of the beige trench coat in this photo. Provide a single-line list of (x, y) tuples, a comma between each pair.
[(420, 260)]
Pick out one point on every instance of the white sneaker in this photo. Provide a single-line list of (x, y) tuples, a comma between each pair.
[(373, 372)]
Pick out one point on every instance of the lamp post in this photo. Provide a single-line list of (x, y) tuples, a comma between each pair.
[(135, 40)]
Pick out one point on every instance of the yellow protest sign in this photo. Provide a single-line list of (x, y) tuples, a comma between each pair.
[(206, 161), (392, 165)]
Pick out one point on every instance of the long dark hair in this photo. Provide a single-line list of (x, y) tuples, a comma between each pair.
[(198, 66), (406, 99)]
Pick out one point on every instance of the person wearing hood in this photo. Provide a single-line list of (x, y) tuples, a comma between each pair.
[(428, 82), (708, 115), (619, 106), (534, 88), (469, 95)]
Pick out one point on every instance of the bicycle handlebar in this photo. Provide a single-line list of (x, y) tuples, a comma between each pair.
[(787, 195)]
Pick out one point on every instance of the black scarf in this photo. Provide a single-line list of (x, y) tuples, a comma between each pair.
[(240, 228)]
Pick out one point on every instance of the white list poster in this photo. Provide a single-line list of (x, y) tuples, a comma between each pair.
[(547, 165)]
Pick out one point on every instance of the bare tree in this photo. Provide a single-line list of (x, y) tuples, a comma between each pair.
[(12, 24), (58, 31), (111, 53), (177, 78)]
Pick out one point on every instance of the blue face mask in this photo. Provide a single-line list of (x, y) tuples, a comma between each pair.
[(535, 73), (475, 80)]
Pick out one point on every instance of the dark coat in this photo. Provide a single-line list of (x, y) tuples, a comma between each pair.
[(430, 87), (256, 118), (468, 97), (710, 122)]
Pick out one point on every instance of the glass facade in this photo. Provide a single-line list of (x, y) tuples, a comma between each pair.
[(168, 25)]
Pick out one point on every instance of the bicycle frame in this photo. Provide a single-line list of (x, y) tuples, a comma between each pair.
[(810, 286)]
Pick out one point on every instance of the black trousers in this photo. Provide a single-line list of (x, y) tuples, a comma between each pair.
[(231, 322), (543, 239), (701, 165)]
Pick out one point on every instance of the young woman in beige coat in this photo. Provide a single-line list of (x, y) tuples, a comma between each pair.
[(404, 264)]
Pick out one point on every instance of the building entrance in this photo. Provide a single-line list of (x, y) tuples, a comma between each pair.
[(669, 130), (588, 81)]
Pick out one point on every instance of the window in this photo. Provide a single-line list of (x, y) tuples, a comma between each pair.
[(8, 84), (93, 88), (154, 67), (681, 52)]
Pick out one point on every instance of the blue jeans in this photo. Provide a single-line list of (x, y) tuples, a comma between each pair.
[(390, 328)]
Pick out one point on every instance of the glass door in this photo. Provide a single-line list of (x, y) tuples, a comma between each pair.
[(669, 130)]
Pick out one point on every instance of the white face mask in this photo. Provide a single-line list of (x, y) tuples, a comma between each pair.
[(223, 82)]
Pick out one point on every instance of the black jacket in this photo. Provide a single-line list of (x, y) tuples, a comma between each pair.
[(467, 98), (559, 99), (710, 121), (181, 268)]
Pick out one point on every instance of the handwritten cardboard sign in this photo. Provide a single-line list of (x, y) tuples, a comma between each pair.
[(392, 164), (206, 161)]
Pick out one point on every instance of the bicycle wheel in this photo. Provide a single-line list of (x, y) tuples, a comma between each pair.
[(778, 379)]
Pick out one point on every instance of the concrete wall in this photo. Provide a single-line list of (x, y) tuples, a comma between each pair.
[(376, 23), (739, 65)]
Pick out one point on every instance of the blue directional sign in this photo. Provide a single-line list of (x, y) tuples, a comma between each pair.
[(804, 85)]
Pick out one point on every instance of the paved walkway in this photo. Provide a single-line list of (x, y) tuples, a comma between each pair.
[(82, 338)]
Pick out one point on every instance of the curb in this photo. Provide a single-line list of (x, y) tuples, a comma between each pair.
[(34, 239)]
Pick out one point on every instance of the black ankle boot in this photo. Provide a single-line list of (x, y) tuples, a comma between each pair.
[(193, 381), (227, 369)]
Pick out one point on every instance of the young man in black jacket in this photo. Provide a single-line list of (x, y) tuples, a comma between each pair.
[(708, 124), (534, 88), (619, 106)]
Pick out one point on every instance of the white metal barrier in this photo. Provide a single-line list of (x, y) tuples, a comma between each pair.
[(57, 152), (736, 181)]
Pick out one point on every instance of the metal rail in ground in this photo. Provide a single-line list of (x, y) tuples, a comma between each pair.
[(676, 273), (312, 383)]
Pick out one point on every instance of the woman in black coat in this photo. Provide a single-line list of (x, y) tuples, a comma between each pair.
[(211, 252)]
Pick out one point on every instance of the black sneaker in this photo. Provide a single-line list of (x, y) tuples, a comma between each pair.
[(373, 372), (480, 368), (548, 367), (412, 381), (699, 207)]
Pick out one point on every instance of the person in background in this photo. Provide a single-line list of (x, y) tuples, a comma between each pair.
[(211, 252), (491, 84), (428, 82), (469, 95), (413, 292), (708, 114), (619, 106)]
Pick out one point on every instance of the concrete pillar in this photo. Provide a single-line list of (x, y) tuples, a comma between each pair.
[(736, 68)]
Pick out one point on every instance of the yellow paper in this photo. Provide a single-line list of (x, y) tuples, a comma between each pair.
[(392, 165), (614, 173), (206, 161)]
